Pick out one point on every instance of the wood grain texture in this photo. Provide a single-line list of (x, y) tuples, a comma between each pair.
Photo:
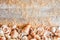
[(34, 12)]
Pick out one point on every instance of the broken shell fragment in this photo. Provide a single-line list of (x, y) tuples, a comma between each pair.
[(14, 34), (26, 29)]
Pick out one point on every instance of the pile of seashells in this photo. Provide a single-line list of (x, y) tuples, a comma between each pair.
[(27, 32)]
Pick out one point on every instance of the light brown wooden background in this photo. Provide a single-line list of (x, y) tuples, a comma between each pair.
[(33, 11)]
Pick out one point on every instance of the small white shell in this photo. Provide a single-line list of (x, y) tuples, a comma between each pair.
[(47, 33), (6, 29), (1, 33), (14, 26), (53, 29), (24, 38)]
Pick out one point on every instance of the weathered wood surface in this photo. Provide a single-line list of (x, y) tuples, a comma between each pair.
[(33, 11)]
